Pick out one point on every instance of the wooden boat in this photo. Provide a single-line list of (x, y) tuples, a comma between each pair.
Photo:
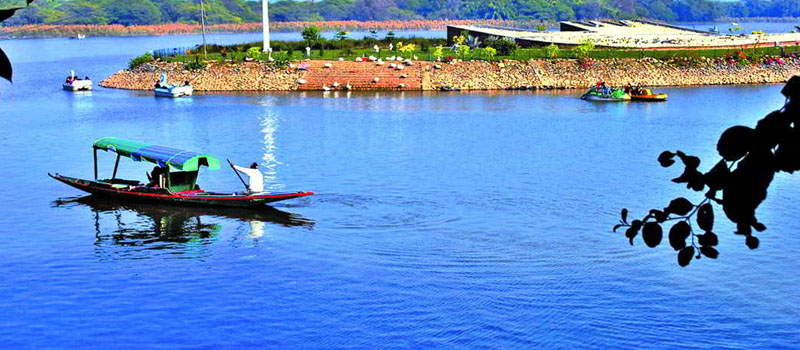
[(165, 89), (647, 95), (74, 83), (616, 95), (177, 183)]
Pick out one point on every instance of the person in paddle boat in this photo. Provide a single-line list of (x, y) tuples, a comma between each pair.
[(256, 178)]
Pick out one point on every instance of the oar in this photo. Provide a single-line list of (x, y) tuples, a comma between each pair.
[(237, 175)]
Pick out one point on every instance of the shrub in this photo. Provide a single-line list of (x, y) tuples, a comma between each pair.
[(138, 61), (583, 50), (254, 53), (552, 51), (504, 47), (196, 65)]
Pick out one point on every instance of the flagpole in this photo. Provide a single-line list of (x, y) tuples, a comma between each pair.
[(265, 20)]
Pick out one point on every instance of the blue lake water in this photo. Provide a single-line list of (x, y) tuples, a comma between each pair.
[(473, 220)]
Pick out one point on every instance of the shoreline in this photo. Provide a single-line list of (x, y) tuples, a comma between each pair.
[(462, 75)]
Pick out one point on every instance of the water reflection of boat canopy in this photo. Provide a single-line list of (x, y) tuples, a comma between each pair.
[(176, 182)]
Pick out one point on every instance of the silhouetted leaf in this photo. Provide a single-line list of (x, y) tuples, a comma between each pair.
[(617, 226), (709, 252), (691, 162), (678, 234), (709, 239), (692, 178), (624, 215), (632, 231), (759, 226), (717, 177), (685, 256), (679, 206), (705, 217), (735, 142), (787, 155), (665, 158), (752, 242), (652, 234), (5, 66), (772, 129), (659, 215)]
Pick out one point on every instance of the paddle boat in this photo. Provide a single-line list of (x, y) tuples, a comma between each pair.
[(175, 183), (647, 95), (616, 95), (165, 89), (74, 83)]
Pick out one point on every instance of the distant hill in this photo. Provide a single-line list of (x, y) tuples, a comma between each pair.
[(130, 12)]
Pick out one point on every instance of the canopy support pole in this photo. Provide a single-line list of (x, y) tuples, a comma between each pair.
[(95, 162), (116, 165)]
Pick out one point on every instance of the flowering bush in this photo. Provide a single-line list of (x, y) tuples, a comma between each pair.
[(408, 48)]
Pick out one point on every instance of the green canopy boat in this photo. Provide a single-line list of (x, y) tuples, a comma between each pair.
[(176, 184)]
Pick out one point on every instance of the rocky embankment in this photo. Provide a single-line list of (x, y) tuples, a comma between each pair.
[(471, 75), (570, 74), (229, 76)]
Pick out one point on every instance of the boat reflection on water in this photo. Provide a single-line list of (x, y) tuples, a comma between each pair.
[(162, 226)]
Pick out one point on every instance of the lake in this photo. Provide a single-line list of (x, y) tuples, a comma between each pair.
[(442, 220)]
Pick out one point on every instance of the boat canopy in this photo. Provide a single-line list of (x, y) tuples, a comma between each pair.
[(163, 156)]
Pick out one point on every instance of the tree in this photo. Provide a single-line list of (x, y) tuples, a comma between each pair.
[(134, 12), (311, 35), (750, 159)]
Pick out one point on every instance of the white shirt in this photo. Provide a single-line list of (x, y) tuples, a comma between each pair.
[(256, 178)]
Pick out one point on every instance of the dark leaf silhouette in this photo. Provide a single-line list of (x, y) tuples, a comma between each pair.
[(716, 178), (705, 217), (735, 142), (709, 239), (652, 234), (633, 230), (679, 206), (685, 256), (5, 66), (692, 178), (617, 226), (624, 215), (691, 162), (709, 252), (665, 159), (659, 215), (678, 235), (752, 242)]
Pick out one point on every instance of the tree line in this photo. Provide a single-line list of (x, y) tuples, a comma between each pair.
[(132, 12)]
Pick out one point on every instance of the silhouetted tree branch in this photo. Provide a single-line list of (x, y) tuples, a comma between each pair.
[(750, 159), (5, 64)]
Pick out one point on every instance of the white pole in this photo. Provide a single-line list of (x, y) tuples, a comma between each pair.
[(265, 20), (203, 23)]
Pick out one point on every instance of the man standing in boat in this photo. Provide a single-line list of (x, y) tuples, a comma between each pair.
[(254, 175)]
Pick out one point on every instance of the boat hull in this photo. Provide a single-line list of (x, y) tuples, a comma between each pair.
[(600, 98), (77, 87), (162, 196), (179, 91), (650, 98)]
